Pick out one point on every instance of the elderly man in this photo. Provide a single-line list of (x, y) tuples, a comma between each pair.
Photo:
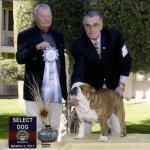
[(101, 57), (41, 49)]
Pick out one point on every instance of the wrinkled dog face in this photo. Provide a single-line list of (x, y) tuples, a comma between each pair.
[(73, 91), (86, 90), (90, 93), (76, 93), (83, 89), (83, 93), (79, 93)]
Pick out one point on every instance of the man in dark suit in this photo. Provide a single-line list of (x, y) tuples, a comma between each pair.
[(101, 56), (31, 45)]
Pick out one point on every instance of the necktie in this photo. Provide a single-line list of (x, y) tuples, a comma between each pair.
[(98, 50)]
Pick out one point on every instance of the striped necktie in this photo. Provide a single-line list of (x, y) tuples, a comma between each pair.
[(98, 50)]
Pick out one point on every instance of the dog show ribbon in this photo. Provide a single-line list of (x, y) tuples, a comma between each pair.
[(51, 91)]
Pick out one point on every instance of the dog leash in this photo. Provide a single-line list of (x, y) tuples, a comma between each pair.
[(83, 112)]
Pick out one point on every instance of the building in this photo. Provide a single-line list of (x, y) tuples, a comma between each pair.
[(138, 85), (7, 49)]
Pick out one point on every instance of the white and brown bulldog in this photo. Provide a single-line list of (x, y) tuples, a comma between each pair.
[(98, 106)]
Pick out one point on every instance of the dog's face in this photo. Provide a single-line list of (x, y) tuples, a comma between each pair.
[(90, 93), (85, 89), (83, 92)]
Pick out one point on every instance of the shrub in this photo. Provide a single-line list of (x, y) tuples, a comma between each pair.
[(10, 71), (24, 18), (132, 17)]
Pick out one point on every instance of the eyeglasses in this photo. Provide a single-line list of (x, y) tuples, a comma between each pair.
[(94, 26), (45, 17)]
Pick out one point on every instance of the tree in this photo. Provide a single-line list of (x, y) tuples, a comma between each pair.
[(67, 16), (67, 19), (132, 17), (24, 15)]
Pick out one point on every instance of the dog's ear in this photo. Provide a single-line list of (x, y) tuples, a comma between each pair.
[(86, 90), (86, 87), (83, 89)]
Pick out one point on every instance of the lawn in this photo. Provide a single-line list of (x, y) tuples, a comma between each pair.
[(8, 107), (137, 116)]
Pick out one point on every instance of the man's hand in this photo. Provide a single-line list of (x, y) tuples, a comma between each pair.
[(120, 89), (42, 45)]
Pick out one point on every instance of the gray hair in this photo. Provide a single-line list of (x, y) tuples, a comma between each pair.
[(40, 7), (93, 14)]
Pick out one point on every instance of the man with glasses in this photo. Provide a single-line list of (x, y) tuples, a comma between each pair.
[(41, 49), (101, 58)]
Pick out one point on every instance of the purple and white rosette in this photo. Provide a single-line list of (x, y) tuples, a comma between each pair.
[(51, 90)]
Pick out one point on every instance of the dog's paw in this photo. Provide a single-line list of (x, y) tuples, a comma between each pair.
[(79, 136), (103, 138)]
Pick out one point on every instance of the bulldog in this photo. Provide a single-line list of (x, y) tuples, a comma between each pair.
[(97, 105)]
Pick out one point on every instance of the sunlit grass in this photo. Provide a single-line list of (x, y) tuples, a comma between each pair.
[(137, 117), (11, 107)]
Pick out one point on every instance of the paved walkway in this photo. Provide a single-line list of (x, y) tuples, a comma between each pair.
[(130, 142)]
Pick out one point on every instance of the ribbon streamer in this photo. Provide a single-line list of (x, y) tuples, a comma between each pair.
[(51, 91)]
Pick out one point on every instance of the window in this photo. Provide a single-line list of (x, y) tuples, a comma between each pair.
[(4, 19), (7, 27), (7, 19), (10, 20)]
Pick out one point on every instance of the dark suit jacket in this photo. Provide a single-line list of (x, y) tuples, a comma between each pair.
[(33, 59), (90, 69)]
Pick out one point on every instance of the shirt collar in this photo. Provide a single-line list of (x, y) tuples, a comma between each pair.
[(97, 41)]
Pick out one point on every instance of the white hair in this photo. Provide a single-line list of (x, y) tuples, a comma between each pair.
[(40, 7)]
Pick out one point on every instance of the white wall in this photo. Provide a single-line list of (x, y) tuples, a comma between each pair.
[(141, 89), (128, 93)]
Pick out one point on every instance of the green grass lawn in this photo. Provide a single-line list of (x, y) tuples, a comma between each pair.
[(8, 107), (137, 116)]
